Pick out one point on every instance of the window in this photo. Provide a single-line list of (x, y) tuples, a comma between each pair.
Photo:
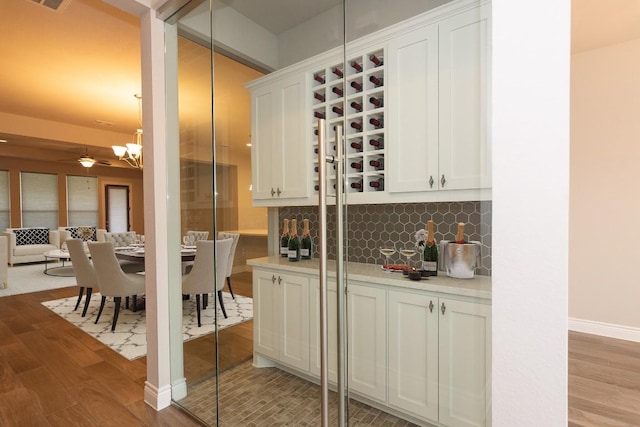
[(4, 200), (82, 201), (39, 200)]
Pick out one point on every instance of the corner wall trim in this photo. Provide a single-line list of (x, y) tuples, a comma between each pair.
[(605, 329), (157, 398)]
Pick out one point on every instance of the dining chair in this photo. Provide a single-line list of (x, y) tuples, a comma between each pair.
[(200, 281), (112, 281), (232, 253), (198, 235), (83, 270)]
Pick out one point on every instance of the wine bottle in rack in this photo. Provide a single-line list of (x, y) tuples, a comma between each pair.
[(377, 143), (356, 66), (356, 106), (357, 165), (356, 185), (377, 122), (319, 78), (284, 239), (318, 96), (318, 115), (377, 81), (337, 71), (357, 86), (377, 184), (357, 126), (377, 60), (306, 244), (377, 163), (294, 242), (377, 102), (356, 145), (337, 110), (337, 90), (430, 254)]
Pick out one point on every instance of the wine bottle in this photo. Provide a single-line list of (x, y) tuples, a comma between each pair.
[(357, 126), (306, 250), (378, 184), (376, 122), (337, 71), (356, 106), (378, 102), (377, 60), (337, 90), (430, 255), (337, 110), (318, 115), (356, 146), (357, 86), (377, 163), (357, 185), (356, 66), (377, 143), (294, 242), (357, 165), (377, 81), (460, 235), (284, 239), (318, 96), (319, 78)]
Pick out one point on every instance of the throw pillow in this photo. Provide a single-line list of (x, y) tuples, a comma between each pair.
[(31, 236), (83, 233)]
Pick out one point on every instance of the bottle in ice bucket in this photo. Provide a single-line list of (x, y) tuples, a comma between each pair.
[(430, 255)]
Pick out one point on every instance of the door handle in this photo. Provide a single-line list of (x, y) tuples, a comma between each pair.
[(443, 308)]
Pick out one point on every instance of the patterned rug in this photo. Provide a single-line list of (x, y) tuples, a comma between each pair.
[(129, 338)]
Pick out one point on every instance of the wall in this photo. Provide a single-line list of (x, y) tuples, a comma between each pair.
[(605, 107), (106, 175)]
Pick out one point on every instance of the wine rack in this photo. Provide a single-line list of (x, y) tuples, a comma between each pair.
[(352, 94)]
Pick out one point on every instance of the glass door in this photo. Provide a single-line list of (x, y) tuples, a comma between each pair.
[(380, 113)]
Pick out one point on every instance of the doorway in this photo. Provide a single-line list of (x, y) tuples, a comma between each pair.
[(117, 208)]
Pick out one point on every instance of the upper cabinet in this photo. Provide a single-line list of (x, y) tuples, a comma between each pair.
[(413, 101)]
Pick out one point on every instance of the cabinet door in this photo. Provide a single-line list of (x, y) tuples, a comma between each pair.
[(367, 341), (266, 313), (465, 363), (263, 143), (294, 315), (413, 111), (332, 333), (465, 154), (292, 149), (413, 353)]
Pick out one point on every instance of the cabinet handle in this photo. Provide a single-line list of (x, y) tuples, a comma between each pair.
[(431, 181), (443, 308), (278, 191), (279, 280), (273, 279), (430, 306), (442, 180), (272, 192)]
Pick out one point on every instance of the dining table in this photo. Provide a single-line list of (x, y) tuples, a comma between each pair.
[(136, 253)]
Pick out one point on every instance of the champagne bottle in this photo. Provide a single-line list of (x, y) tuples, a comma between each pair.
[(284, 239), (430, 255), (294, 242), (460, 235), (306, 250)]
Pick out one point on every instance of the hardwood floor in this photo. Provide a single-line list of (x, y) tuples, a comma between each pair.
[(53, 374)]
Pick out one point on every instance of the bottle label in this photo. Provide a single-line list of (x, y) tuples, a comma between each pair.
[(293, 254), (284, 250), (304, 252), (429, 265)]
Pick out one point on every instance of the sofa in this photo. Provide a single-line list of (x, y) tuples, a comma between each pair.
[(29, 244), (77, 233), (125, 238)]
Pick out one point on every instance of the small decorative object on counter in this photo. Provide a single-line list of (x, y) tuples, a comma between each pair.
[(294, 242), (284, 239), (306, 245), (430, 254)]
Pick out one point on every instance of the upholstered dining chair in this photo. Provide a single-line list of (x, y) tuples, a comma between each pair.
[(200, 281), (112, 281), (235, 236), (198, 235), (83, 270)]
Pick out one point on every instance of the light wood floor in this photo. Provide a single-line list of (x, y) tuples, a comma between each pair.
[(52, 374)]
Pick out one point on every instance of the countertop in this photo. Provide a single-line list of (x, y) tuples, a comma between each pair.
[(255, 232), (478, 287)]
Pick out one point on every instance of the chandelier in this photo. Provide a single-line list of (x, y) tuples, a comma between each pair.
[(132, 152)]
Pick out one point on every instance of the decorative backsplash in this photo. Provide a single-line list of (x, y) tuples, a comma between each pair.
[(371, 227)]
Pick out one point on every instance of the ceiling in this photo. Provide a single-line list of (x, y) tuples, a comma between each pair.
[(81, 65)]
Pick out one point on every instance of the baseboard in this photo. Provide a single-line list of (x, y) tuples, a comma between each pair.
[(157, 398), (179, 389), (610, 330)]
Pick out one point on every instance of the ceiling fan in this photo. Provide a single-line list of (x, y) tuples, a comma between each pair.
[(88, 161)]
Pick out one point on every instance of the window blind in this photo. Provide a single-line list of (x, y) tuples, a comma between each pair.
[(82, 201), (39, 199), (4, 200)]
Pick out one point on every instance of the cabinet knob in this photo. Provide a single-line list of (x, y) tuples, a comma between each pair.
[(273, 279), (443, 308), (278, 191), (430, 306), (442, 180), (279, 280), (431, 181), (272, 192)]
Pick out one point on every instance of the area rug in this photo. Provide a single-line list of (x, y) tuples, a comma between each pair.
[(129, 338), (26, 278)]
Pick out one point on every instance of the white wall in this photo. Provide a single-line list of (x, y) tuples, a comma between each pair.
[(605, 204)]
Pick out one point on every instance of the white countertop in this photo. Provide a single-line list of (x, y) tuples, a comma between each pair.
[(478, 287), (254, 232)]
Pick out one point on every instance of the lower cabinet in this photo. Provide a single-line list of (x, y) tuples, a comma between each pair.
[(281, 317)]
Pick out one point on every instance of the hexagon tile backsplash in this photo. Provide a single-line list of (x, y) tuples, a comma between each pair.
[(370, 227)]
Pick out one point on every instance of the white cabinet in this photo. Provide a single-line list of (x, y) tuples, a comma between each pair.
[(438, 106), (281, 317), (279, 159)]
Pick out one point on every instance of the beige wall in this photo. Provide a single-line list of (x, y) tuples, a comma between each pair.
[(604, 202)]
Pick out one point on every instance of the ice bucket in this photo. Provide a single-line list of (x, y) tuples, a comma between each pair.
[(460, 259)]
